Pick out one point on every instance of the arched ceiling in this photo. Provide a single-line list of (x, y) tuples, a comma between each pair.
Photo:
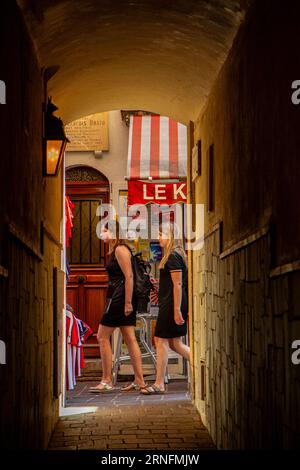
[(158, 55)]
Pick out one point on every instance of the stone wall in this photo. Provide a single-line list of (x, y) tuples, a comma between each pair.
[(252, 388), (29, 408), (253, 125), (28, 250), (246, 304)]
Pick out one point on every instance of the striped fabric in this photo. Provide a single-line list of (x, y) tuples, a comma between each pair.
[(157, 148), (154, 293)]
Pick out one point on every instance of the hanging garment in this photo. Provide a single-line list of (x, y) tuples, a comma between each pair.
[(84, 333), (69, 207), (77, 332), (70, 377)]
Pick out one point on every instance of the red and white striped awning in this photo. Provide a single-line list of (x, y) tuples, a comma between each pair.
[(157, 148)]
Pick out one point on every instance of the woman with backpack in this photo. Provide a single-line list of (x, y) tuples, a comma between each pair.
[(120, 311), (171, 323)]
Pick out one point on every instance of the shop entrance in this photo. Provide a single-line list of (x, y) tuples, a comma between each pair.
[(128, 179)]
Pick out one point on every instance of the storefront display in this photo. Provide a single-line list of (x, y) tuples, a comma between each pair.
[(144, 249), (141, 192), (155, 251)]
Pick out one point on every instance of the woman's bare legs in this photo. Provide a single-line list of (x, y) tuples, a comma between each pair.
[(178, 346), (162, 347), (135, 353), (103, 337)]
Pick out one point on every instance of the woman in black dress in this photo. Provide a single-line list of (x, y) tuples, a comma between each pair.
[(173, 305), (120, 312)]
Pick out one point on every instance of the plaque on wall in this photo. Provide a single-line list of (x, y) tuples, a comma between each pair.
[(89, 133)]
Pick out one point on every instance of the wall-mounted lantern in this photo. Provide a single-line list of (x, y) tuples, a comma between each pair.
[(55, 141)]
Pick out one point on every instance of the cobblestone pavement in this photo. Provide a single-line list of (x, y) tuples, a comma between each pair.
[(129, 420)]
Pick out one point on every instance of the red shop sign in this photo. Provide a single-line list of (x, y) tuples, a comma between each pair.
[(159, 193)]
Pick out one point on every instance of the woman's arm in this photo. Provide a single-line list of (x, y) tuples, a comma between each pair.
[(123, 256), (176, 277)]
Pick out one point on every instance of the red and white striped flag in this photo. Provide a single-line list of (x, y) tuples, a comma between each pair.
[(157, 148)]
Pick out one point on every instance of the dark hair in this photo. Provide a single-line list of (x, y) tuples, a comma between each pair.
[(117, 240)]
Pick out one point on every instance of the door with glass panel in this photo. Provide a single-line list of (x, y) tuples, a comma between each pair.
[(86, 254)]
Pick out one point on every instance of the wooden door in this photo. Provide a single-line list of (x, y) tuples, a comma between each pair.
[(86, 255)]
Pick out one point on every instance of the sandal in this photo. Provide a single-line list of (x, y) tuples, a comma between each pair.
[(105, 389), (132, 386), (152, 390)]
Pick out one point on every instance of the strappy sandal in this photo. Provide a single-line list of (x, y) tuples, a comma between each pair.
[(132, 387), (106, 388), (152, 390)]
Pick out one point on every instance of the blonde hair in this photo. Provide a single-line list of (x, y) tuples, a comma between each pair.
[(174, 243)]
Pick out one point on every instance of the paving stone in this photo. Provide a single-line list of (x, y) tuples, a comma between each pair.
[(136, 431), (71, 443), (118, 446), (166, 440), (155, 434), (72, 432), (100, 445), (171, 422), (86, 445), (105, 431), (115, 437), (65, 448), (75, 438), (154, 446), (186, 436), (138, 440)]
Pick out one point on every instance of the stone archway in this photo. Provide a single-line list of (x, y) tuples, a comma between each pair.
[(84, 173), (158, 56)]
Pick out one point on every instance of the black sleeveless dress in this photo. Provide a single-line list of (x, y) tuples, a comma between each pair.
[(114, 315), (165, 325)]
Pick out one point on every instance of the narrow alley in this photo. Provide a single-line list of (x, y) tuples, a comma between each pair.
[(178, 120)]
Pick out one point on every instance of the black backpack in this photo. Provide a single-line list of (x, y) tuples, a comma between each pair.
[(142, 283)]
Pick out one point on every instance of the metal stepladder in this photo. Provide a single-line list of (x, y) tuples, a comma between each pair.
[(144, 336)]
